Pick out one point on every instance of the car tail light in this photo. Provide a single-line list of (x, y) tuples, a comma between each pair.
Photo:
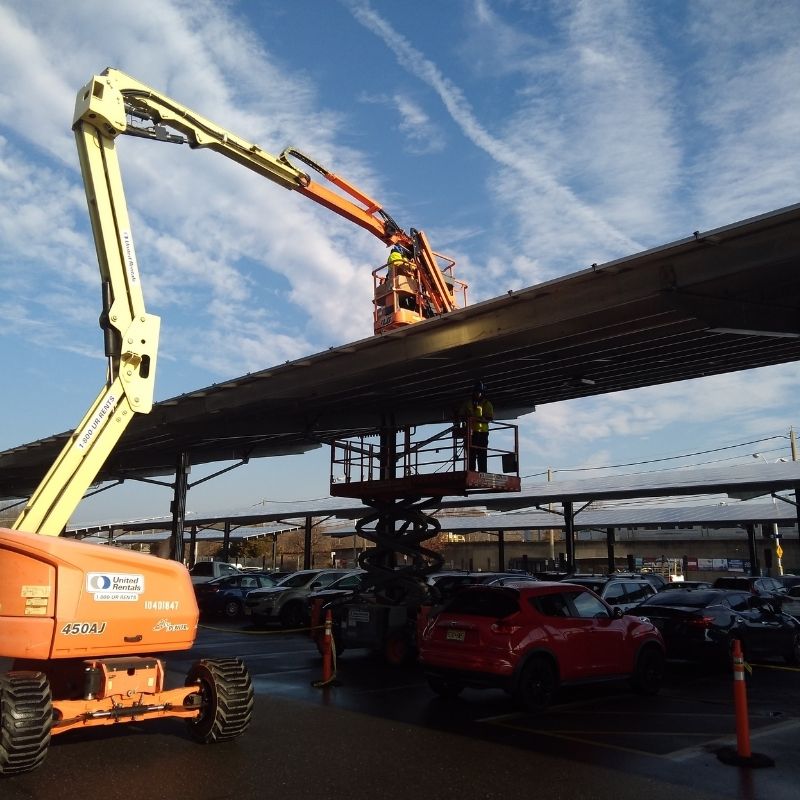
[(701, 622), (504, 627)]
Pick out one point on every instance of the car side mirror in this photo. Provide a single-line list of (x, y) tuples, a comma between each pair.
[(618, 613), (316, 585)]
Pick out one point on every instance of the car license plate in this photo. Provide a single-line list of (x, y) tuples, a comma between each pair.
[(456, 636)]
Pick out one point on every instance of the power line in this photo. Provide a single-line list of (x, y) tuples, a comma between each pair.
[(659, 460)]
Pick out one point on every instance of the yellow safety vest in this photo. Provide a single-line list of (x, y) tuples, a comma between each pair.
[(476, 410)]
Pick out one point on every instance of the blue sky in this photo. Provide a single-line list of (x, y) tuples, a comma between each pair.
[(527, 138)]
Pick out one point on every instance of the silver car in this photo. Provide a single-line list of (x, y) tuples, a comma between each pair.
[(287, 602)]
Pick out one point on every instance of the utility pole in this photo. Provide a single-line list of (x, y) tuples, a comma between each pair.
[(793, 443), (552, 532)]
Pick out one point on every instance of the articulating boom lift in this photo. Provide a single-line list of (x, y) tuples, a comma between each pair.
[(79, 621)]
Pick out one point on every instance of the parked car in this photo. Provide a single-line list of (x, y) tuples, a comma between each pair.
[(226, 595), (445, 584), (792, 584), (204, 571), (688, 585), (280, 574), (658, 582), (341, 588), (286, 601), (620, 592), (763, 586), (701, 623), (511, 578), (533, 637)]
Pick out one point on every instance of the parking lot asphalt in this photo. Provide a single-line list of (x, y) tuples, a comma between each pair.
[(380, 732)]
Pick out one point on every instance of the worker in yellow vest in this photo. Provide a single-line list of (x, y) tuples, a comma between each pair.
[(478, 412), (400, 263)]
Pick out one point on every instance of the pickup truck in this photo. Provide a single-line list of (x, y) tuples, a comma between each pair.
[(204, 571)]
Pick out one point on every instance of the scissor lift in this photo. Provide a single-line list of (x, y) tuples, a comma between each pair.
[(403, 474)]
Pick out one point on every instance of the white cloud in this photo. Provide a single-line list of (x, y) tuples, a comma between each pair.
[(423, 136), (531, 169), (756, 402), (748, 102), (211, 237)]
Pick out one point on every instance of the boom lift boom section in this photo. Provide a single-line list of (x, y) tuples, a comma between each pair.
[(77, 619), (114, 103)]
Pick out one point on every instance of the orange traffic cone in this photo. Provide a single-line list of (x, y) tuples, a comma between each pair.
[(743, 755)]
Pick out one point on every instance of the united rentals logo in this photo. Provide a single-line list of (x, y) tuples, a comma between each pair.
[(114, 587)]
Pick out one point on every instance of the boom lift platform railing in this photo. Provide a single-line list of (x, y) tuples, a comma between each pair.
[(406, 294)]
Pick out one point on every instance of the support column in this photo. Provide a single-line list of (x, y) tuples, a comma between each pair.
[(307, 545), (797, 504), (388, 454), (178, 505), (610, 542), (501, 551), (569, 535), (751, 546), (226, 541), (192, 545), (274, 551)]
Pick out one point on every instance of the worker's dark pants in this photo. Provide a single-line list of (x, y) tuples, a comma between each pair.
[(477, 450)]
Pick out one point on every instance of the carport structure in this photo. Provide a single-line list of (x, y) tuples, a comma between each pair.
[(714, 302), (574, 498)]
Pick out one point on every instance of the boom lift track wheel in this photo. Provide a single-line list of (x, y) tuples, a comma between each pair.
[(226, 697), (26, 715)]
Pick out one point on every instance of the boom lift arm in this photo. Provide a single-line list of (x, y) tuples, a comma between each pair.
[(114, 103), (80, 621)]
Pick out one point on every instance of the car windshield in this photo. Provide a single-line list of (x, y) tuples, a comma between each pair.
[(684, 597), (495, 604), (298, 579), (347, 582)]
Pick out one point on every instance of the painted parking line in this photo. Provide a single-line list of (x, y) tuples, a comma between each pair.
[(777, 667), (655, 732)]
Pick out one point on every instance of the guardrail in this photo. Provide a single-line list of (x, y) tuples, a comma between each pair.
[(411, 453)]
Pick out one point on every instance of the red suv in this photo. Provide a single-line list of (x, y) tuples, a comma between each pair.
[(531, 638)]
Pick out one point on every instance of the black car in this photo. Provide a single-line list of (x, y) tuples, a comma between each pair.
[(791, 583), (619, 591), (226, 595), (701, 623), (762, 586), (688, 585), (446, 584)]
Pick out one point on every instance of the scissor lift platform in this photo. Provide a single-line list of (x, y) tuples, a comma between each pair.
[(434, 485), (407, 464)]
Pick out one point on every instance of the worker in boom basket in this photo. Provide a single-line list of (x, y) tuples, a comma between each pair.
[(478, 412), (401, 264)]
